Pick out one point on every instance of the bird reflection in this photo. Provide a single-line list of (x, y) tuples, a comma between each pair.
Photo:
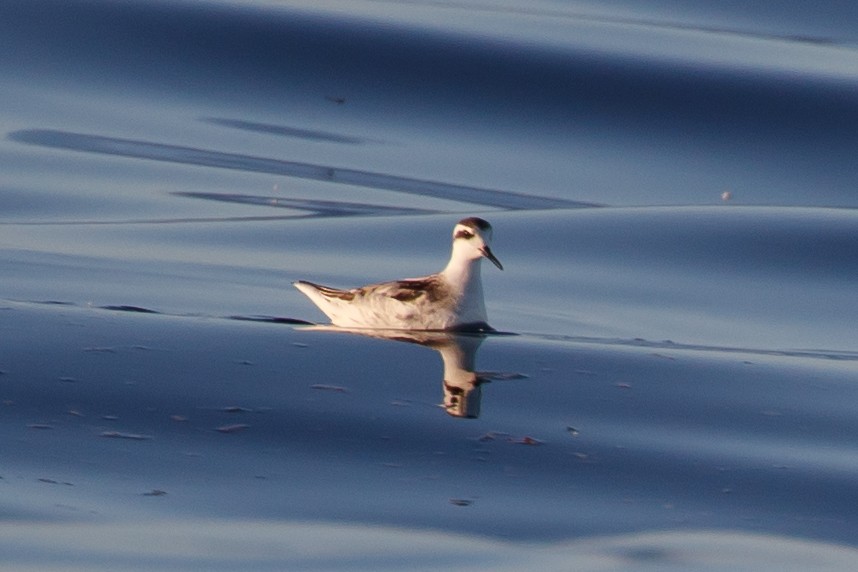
[(462, 385)]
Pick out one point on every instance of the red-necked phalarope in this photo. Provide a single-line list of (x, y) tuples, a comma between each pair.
[(449, 300)]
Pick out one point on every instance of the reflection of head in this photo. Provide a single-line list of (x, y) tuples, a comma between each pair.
[(462, 391), (463, 400)]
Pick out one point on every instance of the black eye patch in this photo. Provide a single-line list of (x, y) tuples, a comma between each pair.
[(464, 234)]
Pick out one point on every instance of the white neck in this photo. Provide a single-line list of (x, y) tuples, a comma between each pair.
[(465, 272), (463, 275)]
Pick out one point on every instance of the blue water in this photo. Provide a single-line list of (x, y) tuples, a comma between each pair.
[(673, 192)]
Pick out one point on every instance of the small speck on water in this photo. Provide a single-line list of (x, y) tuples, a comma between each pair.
[(129, 436), (155, 493), (54, 482), (572, 431), (491, 436), (234, 428), (40, 426), (662, 356), (68, 379), (236, 409), (100, 350), (334, 388), (461, 502), (527, 441)]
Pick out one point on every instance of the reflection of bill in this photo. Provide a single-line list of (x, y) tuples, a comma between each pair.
[(461, 383)]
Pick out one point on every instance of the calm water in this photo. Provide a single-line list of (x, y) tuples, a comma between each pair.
[(673, 192)]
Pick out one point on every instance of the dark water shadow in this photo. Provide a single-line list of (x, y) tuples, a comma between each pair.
[(272, 320), (461, 383), (138, 149), (317, 208), (127, 308), (286, 131)]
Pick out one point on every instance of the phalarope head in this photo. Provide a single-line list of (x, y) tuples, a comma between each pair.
[(471, 238)]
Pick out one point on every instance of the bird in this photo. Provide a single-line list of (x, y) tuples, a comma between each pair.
[(451, 299)]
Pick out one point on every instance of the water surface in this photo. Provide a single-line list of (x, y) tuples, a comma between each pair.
[(673, 197)]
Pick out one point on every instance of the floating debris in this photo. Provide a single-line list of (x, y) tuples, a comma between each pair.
[(527, 441), (572, 431), (53, 482), (110, 417), (234, 428), (623, 385), (68, 379), (39, 426), (121, 435), (236, 409), (491, 436), (100, 350), (334, 388), (461, 502), (155, 493), (663, 356)]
